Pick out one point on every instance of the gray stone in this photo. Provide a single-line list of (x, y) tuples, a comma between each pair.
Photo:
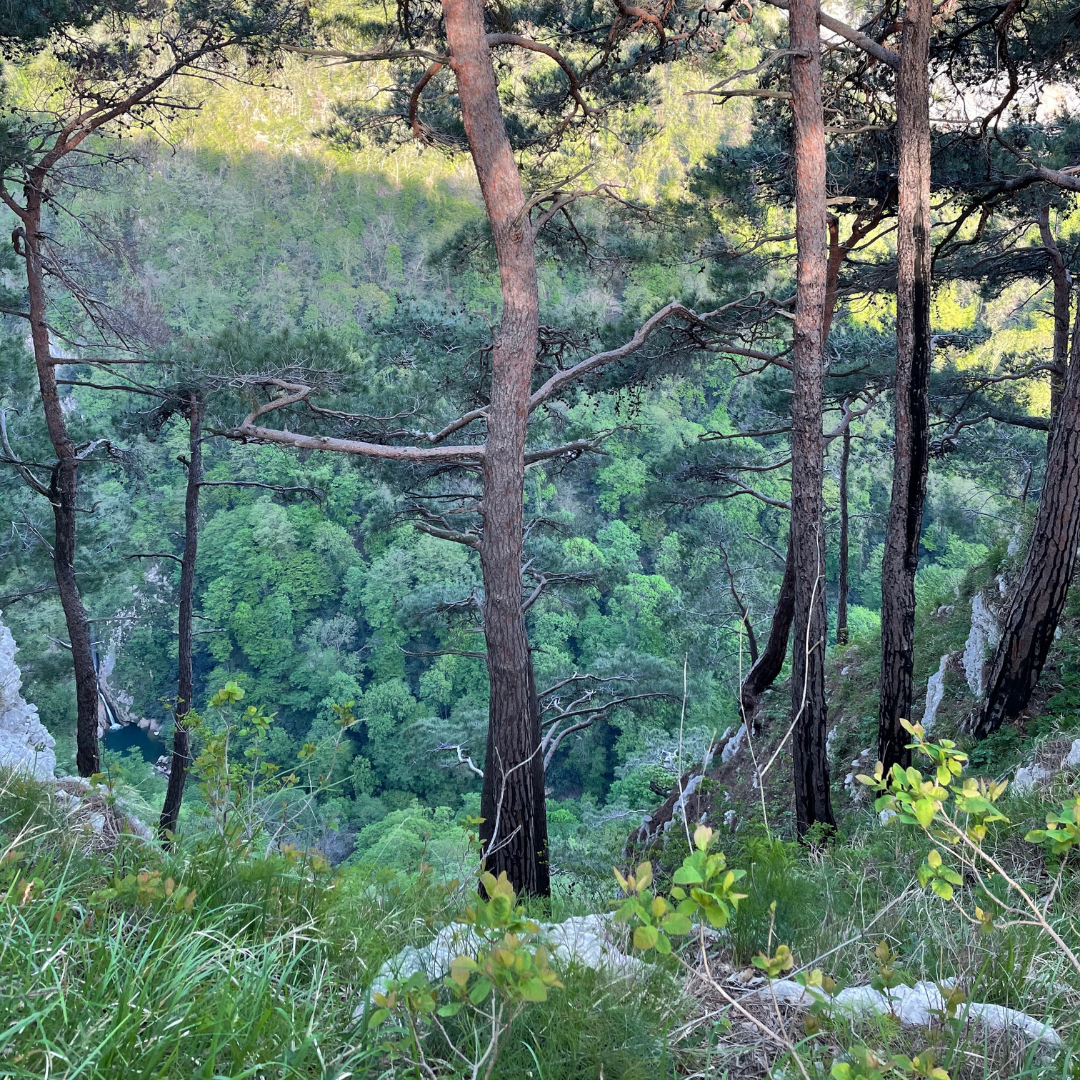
[(1027, 778), (984, 634), (24, 742), (1072, 759), (734, 746), (935, 693), (919, 1006), (589, 940)]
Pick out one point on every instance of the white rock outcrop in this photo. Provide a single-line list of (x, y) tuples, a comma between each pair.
[(1072, 758), (734, 746), (1029, 777), (984, 634), (24, 742), (935, 694), (919, 1006), (589, 940)]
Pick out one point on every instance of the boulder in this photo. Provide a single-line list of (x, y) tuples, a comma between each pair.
[(25, 744), (935, 693), (984, 634), (919, 1006), (589, 940)]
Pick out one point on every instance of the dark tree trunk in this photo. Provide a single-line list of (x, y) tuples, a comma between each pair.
[(842, 586), (514, 831), (766, 668), (185, 683), (911, 397), (1039, 597), (812, 801), (63, 493), (1062, 302), (768, 665)]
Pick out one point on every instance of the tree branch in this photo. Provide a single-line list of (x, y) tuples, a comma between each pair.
[(155, 555), (849, 33), (313, 492), (670, 311)]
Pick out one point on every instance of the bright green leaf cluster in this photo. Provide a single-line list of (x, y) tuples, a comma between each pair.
[(147, 889), (1062, 832), (939, 876), (704, 888), (864, 1064)]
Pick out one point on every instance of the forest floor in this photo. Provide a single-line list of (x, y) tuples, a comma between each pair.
[(117, 958)]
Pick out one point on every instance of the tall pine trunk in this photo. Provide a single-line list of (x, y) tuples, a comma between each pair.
[(812, 801), (185, 688), (845, 533), (63, 492), (1062, 301), (911, 397), (1039, 597), (514, 831)]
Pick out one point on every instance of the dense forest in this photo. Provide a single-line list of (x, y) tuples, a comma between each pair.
[(452, 449)]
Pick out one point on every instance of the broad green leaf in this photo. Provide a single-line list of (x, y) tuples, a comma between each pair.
[(687, 875), (645, 937), (479, 993), (676, 923), (533, 990)]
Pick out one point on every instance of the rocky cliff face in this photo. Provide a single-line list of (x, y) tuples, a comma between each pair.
[(24, 742)]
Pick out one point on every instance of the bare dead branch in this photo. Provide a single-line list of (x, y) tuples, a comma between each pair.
[(154, 555), (281, 489), (849, 33)]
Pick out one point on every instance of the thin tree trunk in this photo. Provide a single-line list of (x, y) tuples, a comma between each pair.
[(185, 688), (812, 802), (842, 588), (1039, 597), (514, 831), (1062, 302), (766, 668), (768, 665), (63, 493), (911, 397)]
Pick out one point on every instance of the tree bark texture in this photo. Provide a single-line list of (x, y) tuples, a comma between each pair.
[(1039, 597), (1062, 302), (812, 801), (911, 457), (766, 669), (185, 683), (845, 533), (514, 830), (63, 492)]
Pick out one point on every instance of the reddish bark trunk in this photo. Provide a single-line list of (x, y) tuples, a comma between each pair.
[(812, 801), (514, 831), (1037, 602), (185, 683), (1062, 303), (911, 397), (63, 493)]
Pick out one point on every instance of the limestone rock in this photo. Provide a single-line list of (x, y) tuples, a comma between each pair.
[(935, 693), (1072, 759), (734, 746), (1027, 778), (919, 1006), (24, 742), (985, 633), (589, 940)]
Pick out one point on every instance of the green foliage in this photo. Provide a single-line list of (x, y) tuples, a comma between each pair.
[(709, 894)]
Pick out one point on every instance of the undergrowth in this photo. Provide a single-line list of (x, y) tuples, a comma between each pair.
[(215, 961)]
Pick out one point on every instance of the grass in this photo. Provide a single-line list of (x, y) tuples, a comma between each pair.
[(104, 976)]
